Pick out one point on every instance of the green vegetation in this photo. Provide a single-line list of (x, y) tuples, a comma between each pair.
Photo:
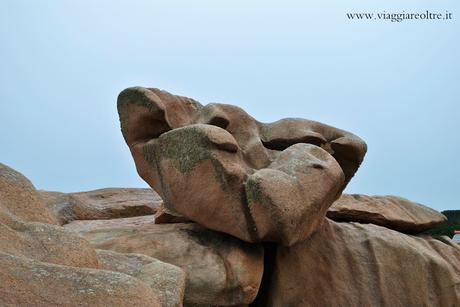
[(447, 229)]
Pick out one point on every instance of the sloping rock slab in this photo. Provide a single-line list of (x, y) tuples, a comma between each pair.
[(167, 280), (60, 204), (221, 270), (352, 264), (100, 204), (25, 282), (123, 223), (19, 197), (389, 211), (46, 243), (26, 226)]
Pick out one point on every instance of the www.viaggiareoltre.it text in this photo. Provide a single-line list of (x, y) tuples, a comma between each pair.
[(400, 16)]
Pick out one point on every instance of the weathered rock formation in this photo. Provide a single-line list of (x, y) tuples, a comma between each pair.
[(19, 198), (44, 264), (215, 163), (351, 264), (275, 183), (221, 270), (114, 261), (390, 211), (253, 215), (26, 282), (167, 280), (101, 204)]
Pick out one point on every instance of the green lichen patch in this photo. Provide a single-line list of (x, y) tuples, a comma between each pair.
[(254, 193), (185, 147), (148, 151), (133, 95), (137, 96)]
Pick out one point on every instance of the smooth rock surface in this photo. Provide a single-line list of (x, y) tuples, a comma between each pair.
[(25, 282), (27, 226), (281, 216), (19, 198), (167, 280), (42, 264), (47, 243), (351, 264), (129, 222), (389, 211), (221, 270), (106, 203)]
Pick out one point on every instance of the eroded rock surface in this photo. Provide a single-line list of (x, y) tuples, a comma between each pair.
[(351, 264), (44, 264), (390, 211), (235, 162), (167, 280), (229, 183), (129, 222), (27, 226), (46, 243), (109, 203), (26, 282), (275, 182), (19, 197), (221, 270)]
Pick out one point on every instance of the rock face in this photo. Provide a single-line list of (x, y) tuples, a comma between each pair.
[(43, 264), (351, 264), (60, 204), (274, 183), (167, 280), (243, 222), (46, 243), (390, 211), (18, 197), (129, 222), (23, 231), (99, 204), (243, 169), (26, 282), (221, 270)]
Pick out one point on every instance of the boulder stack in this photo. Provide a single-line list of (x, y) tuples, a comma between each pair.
[(247, 214)]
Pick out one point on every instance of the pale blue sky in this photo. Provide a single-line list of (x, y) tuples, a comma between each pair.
[(396, 85)]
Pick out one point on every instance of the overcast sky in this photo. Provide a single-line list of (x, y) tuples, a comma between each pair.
[(396, 85)]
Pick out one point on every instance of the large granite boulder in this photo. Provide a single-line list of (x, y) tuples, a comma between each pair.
[(221, 270), (351, 264), (390, 211), (46, 243), (44, 264), (19, 197), (27, 282), (108, 203), (167, 280), (261, 193), (27, 227), (275, 183), (218, 166)]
